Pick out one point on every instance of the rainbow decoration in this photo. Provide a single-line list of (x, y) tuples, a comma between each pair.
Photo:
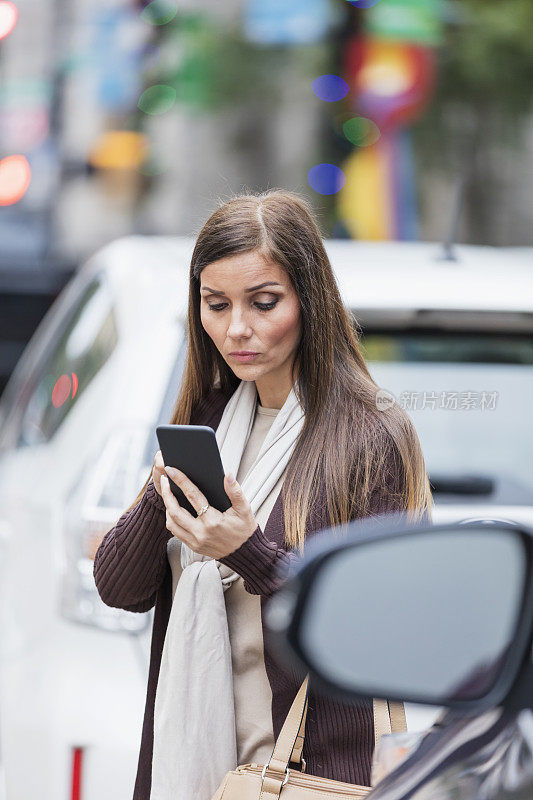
[(378, 199), (390, 82)]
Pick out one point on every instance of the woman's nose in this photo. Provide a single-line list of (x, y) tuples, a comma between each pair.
[(238, 327)]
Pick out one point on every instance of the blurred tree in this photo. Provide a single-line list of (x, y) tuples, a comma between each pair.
[(482, 98), (487, 58)]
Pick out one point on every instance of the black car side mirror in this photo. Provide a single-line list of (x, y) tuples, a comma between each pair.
[(441, 615)]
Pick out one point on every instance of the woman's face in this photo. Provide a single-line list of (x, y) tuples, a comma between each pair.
[(237, 316)]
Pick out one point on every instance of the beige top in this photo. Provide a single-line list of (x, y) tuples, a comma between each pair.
[(251, 688)]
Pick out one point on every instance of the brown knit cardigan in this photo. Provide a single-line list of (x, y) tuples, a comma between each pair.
[(132, 571)]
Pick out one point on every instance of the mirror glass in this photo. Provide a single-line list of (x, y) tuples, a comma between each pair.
[(427, 615)]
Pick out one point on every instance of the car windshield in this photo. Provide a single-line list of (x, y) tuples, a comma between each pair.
[(467, 395)]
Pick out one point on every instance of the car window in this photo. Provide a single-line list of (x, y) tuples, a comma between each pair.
[(453, 347), (466, 394), (83, 346)]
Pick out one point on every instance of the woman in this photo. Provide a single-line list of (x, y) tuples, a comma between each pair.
[(297, 424)]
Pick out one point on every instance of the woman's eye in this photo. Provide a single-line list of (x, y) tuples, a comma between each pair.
[(260, 306)]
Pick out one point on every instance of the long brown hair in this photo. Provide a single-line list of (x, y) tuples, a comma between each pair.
[(346, 442)]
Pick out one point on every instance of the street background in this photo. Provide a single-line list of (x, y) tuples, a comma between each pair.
[(407, 124), (134, 117)]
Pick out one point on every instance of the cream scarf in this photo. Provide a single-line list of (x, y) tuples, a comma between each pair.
[(194, 717)]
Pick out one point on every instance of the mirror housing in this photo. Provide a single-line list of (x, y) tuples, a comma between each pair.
[(434, 614)]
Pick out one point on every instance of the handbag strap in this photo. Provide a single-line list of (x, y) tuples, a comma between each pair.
[(293, 731), (398, 723), (389, 717)]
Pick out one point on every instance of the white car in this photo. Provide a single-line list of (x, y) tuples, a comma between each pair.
[(77, 441)]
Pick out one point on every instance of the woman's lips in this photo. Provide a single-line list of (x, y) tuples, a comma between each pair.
[(249, 357)]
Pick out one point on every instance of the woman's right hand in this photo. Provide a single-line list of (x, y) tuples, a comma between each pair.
[(158, 471)]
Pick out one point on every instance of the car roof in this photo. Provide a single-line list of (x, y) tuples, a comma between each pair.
[(379, 276)]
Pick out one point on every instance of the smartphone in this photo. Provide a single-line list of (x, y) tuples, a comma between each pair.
[(193, 449)]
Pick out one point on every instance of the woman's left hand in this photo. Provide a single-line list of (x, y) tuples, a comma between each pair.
[(214, 533)]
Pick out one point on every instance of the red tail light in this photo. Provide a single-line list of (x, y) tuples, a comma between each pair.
[(77, 753)]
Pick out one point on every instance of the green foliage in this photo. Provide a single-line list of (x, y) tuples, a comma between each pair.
[(186, 59), (488, 57), (213, 66), (251, 73), (484, 76)]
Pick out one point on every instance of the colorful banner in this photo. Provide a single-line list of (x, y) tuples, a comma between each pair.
[(390, 81), (390, 69), (378, 199)]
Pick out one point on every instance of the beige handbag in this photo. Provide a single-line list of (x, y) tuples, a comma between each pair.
[(268, 782)]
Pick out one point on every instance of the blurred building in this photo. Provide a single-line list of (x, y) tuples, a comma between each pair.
[(219, 98), (77, 71), (120, 116)]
